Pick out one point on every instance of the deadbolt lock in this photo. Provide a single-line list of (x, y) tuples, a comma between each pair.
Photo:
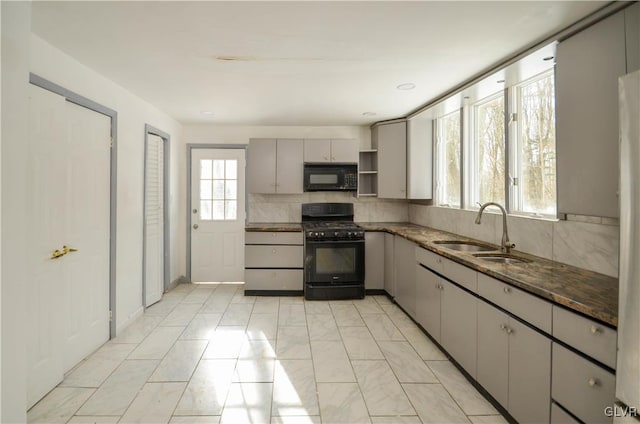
[(195, 226)]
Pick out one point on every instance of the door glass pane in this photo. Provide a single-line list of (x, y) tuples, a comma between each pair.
[(231, 189), (218, 209), (231, 172), (205, 210), (205, 189), (333, 260), (218, 189), (231, 209), (206, 168), (218, 169)]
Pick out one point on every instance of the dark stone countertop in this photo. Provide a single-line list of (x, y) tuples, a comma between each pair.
[(590, 293), (270, 227)]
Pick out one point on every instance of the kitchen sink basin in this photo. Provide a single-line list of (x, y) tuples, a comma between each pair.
[(502, 258), (464, 246)]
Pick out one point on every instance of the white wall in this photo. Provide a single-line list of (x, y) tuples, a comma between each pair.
[(133, 113), (591, 244), (16, 27)]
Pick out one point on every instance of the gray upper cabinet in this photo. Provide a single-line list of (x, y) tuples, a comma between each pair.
[(345, 150), (275, 166), (261, 166), (391, 140), (420, 158), (317, 150), (331, 150), (632, 27), (587, 69), (289, 166)]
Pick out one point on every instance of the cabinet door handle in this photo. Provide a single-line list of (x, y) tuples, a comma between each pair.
[(507, 290), (593, 382), (595, 330), (509, 330), (273, 251), (503, 327)]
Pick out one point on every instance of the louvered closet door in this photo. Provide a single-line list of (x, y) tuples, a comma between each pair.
[(154, 221)]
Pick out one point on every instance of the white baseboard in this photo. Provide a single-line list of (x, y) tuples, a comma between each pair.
[(137, 314)]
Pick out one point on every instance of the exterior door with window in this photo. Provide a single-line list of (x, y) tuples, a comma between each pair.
[(217, 215)]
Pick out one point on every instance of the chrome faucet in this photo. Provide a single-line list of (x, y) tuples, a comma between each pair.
[(506, 244)]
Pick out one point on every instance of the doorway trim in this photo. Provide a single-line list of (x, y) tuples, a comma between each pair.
[(190, 147), (82, 101), (166, 139)]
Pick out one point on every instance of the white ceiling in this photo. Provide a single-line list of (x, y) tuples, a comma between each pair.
[(296, 63)]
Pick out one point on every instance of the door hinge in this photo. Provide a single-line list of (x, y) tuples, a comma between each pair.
[(110, 316), (514, 117), (515, 181), (111, 142)]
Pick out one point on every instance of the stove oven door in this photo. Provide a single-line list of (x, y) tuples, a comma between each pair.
[(334, 263)]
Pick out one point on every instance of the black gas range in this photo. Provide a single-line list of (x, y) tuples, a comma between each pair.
[(334, 252)]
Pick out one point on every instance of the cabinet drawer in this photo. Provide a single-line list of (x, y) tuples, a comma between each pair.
[(581, 386), (585, 335), (272, 256), (560, 416), (273, 279), (462, 275), (429, 259), (253, 237), (535, 311)]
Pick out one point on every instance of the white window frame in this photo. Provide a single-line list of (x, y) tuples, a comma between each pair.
[(472, 201), (441, 161), (515, 151)]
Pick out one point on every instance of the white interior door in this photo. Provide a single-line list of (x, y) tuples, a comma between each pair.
[(45, 275), (86, 228), (154, 221), (69, 182), (218, 215)]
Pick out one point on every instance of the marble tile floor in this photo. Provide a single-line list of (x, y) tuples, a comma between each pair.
[(209, 354)]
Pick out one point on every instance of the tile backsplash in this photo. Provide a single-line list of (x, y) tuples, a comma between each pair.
[(288, 207), (591, 245)]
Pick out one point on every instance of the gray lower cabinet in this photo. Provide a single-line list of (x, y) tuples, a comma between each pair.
[(449, 315), (514, 364), (389, 264), (428, 294), (274, 261), (458, 315), (582, 387), (374, 260), (405, 274)]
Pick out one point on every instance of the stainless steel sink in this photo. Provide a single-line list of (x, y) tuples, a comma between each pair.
[(464, 246), (502, 258)]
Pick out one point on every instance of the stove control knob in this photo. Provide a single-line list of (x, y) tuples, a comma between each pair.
[(310, 233), (321, 234), (336, 234)]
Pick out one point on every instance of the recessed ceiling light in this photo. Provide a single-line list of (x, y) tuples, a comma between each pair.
[(369, 114), (547, 58), (207, 112), (500, 81), (406, 86)]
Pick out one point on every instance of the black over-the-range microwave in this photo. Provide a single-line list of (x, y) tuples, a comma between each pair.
[(330, 177)]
